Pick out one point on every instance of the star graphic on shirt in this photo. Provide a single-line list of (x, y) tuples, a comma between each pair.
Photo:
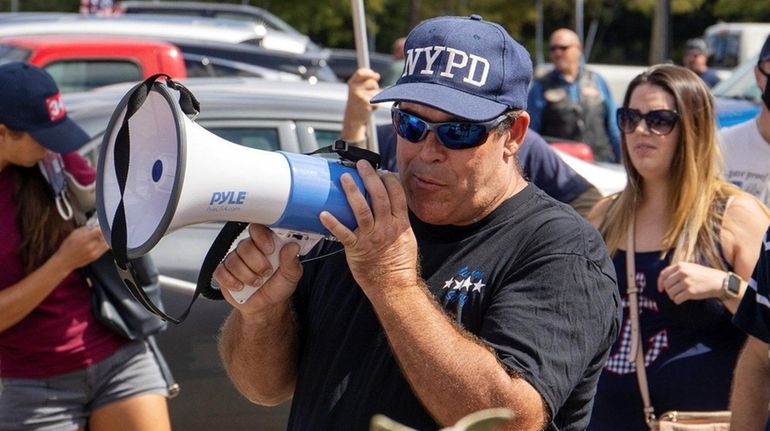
[(466, 284), (458, 285), (478, 285), (448, 283)]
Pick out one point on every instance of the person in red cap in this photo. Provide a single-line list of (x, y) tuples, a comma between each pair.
[(463, 288), (59, 368)]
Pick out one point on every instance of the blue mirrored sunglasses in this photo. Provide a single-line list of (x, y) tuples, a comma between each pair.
[(455, 135)]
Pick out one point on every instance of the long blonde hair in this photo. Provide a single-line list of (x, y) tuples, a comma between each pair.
[(699, 190)]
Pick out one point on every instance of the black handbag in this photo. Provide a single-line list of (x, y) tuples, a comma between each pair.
[(115, 307)]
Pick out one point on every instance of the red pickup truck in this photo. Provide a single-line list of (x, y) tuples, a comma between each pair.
[(80, 63)]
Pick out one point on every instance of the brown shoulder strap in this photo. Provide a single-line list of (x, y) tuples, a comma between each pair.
[(637, 350)]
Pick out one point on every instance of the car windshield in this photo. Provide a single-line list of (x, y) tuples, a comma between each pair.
[(725, 48), (741, 84), (9, 53)]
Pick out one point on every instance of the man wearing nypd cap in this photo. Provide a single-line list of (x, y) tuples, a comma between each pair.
[(463, 287)]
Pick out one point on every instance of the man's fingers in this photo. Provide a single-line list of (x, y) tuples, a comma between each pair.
[(290, 267), (262, 237), (357, 201), (378, 194), (225, 279), (396, 195), (339, 230)]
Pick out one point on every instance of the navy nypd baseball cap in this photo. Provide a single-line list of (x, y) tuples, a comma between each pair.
[(464, 66), (31, 102)]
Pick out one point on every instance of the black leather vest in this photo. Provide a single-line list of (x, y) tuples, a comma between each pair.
[(582, 120)]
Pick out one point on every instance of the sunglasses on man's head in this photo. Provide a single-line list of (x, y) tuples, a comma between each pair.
[(660, 121), (455, 135)]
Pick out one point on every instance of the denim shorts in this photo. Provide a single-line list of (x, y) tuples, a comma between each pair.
[(64, 402)]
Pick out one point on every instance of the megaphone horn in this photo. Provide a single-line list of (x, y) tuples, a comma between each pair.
[(159, 171)]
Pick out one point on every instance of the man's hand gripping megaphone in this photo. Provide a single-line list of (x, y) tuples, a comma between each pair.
[(266, 265)]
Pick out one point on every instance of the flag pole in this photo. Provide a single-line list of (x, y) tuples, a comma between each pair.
[(362, 58)]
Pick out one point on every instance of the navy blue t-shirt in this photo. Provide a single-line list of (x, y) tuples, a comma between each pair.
[(690, 352), (710, 77), (539, 163), (753, 315)]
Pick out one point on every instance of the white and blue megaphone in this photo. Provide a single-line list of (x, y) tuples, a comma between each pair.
[(159, 171)]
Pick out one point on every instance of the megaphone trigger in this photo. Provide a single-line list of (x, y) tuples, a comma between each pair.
[(281, 237)]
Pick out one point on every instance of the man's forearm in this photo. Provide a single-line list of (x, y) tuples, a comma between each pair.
[(260, 354), (450, 372), (751, 388)]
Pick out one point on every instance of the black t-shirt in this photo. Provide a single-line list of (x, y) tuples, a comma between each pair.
[(533, 280)]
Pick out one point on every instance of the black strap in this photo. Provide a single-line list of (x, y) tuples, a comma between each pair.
[(350, 153), (121, 152), (216, 253), (171, 385)]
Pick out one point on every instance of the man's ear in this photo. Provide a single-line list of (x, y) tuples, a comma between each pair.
[(5, 132), (516, 134)]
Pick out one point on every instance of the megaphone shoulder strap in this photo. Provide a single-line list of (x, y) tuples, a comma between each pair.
[(214, 256), (121, 151)]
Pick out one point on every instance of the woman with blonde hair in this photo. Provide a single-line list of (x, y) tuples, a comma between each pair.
[(695, 240)]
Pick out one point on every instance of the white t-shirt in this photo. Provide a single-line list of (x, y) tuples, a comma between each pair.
[(747, 159)]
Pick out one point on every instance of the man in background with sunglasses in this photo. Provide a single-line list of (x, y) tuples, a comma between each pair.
[(463, 287), (746, 146), (571, 102)]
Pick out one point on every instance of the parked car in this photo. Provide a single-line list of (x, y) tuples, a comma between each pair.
[(205, 52), (738, 97), (732, 43), (311, 66), (296, 117), (342, 61), (153, 26), (240, 12), (79, 63)]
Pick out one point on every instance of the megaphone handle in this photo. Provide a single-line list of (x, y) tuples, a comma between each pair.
[(281, 237)]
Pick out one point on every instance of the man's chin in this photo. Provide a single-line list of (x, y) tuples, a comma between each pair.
[(431, 214)]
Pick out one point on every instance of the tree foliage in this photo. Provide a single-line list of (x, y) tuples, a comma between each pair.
[(622, 27)]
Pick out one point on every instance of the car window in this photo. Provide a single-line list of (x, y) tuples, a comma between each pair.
[(259, 138), (313, 135), (725, 49), (741, 84), (9, 53), (326, 137), (83, 75)]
